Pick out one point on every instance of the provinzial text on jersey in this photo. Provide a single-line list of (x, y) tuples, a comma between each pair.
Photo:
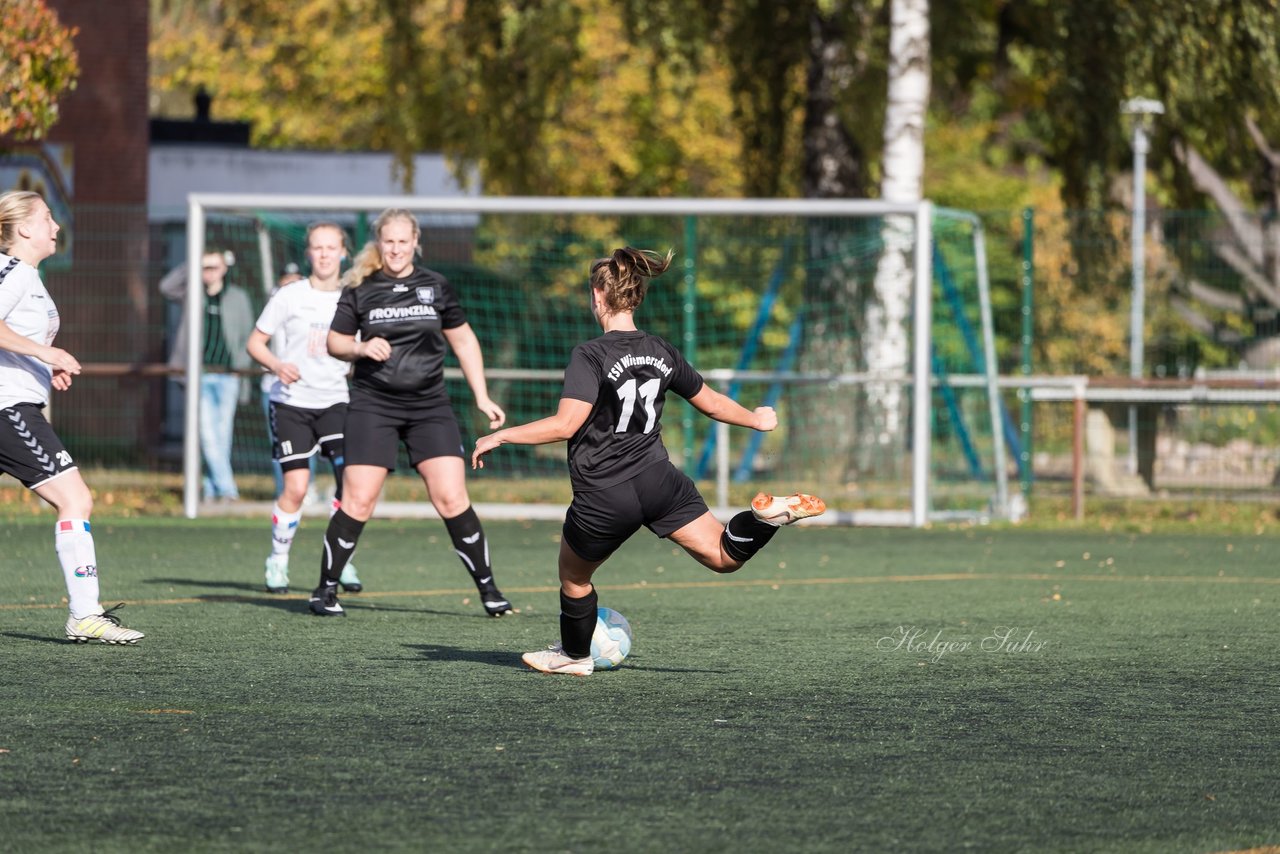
[(630, 361), (400, 312)]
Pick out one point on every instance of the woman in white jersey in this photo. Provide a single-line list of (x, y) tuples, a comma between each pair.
[(30, 366), (611, 414), (309, 396)]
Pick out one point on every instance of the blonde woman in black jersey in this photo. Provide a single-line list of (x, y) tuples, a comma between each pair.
[(394, 321), (610, 414)]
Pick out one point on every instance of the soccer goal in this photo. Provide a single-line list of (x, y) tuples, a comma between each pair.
[(867, 325)]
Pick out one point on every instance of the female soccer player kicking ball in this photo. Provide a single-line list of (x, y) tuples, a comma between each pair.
[(610, 412)]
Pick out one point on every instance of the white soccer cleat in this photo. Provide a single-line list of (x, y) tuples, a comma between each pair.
[(786, 509), (104, 627), (553, 660), (278, 574)]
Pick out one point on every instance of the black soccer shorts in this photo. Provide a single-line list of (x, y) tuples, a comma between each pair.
[(662, 498), (29, 449), (374, 437), (299, 434)]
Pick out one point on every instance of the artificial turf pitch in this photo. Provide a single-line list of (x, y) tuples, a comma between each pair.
[(849, 690)]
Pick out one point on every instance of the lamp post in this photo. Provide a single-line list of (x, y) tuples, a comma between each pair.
[(1141, 109)]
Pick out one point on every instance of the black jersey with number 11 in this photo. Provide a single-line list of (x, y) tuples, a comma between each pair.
[(625, 376)]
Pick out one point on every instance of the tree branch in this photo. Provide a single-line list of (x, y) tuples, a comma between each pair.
[(1215, 298), (1208, 181), (1202, 324), (1255, 282), (1272, 156)]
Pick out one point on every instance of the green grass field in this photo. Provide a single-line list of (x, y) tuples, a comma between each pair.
[(1084, 691)]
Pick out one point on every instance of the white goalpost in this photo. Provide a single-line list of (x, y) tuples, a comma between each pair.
[(919, 376)]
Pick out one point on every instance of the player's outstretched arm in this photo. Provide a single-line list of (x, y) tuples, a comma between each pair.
[(561, 427), (713, 404), (466, 346)]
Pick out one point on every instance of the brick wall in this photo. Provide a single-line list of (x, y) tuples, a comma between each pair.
[(105, 118), (108, 301)]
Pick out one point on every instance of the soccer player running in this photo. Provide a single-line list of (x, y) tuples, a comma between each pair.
[(309, 395), (30, 366), (610, 413), (393, 321)]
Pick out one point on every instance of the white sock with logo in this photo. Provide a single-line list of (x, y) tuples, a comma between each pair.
[(74, 545), (283, 527)]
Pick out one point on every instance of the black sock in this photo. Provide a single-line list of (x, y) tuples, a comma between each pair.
[(745, 535), (577, 623), (339, 544), (332, 452), (337, 475), (470, 544)]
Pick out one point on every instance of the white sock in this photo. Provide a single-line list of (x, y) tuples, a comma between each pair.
[(74, 545), (283, 527), (334, 507)]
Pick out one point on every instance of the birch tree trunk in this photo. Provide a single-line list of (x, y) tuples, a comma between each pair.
[(886, 344)]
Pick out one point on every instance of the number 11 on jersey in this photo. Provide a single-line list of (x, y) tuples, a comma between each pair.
[(648, 393)]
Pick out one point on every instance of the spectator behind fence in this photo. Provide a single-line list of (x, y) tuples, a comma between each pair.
[(228, 320), (30, 367)]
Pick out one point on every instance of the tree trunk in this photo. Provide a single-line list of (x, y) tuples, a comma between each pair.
[(833, 169), (886, 342)]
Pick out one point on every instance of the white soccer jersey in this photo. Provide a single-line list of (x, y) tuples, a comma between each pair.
[(27, 309), (299, 316)]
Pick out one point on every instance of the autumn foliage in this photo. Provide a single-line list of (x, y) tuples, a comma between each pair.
[(38, 64)]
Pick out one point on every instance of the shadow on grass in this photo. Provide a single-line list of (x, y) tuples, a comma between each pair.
[(39, 638), (439, 652), (197, 582), (373, 605)]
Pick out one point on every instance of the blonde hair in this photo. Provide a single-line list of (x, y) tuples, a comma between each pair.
[(369, 259), (15, 207), (624, 276)]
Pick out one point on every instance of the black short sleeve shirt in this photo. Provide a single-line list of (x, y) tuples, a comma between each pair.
[(411, 314), (625, 376)]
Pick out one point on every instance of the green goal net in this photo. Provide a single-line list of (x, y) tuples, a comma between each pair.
[(775, 303)]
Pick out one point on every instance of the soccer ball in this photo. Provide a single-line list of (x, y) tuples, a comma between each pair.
[(611, 641)]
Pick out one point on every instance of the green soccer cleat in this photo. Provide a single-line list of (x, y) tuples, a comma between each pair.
[(278, 574), (349, 580)]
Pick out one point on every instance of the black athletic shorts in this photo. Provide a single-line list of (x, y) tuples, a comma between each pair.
[(662, 498), (374, 437), (299, 434), (29, 449)]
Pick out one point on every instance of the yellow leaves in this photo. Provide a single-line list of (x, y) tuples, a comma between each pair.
[(38, 64)]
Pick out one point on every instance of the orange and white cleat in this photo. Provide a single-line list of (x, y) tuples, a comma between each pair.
[(784, 510)]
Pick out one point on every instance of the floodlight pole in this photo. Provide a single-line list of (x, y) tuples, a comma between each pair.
[(1141, 109)]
